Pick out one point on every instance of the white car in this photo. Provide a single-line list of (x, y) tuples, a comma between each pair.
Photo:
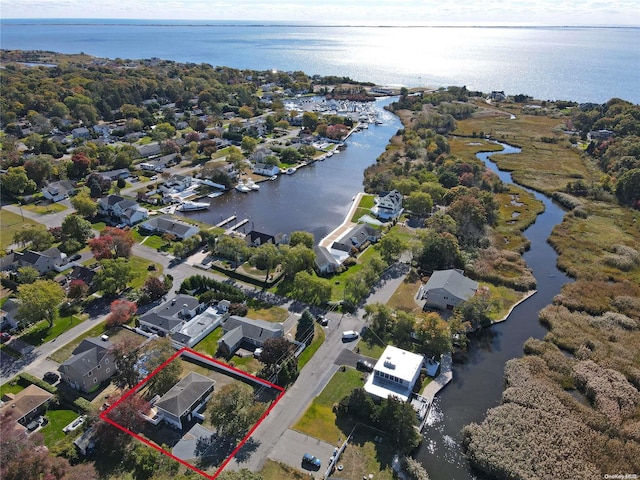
[(349, 335)]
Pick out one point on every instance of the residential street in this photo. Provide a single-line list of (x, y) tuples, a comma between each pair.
[(271, 438)]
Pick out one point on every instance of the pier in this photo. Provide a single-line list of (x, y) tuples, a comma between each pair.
[(226, 220), (237, 225)]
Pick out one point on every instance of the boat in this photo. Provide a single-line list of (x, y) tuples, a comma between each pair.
[(242, 187), (330, 153), (273, 177), (215, 194), (192, 206), (252, 185), (290, 171)]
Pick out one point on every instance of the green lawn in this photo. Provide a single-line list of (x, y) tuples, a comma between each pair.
[(153, 241), (44, 209), (370, 345), (364, 207), (12, 386), (318, 338), (99, 226), (209, 344), (40, 332), (337, 290), (319, 421), (11, 223), (265, 311), (140, 269), (58, 419)]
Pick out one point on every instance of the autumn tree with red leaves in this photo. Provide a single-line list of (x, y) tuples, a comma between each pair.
[(121, 312), (112, 243), (78, 289)]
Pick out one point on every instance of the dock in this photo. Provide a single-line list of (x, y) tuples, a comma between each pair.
[(226, 220), (237, 225)]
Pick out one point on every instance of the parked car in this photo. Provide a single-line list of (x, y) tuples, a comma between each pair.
[(74, 257), (322, 320), (51, 377), (349, 335), (364, 365), (4, 337), (312, 461)]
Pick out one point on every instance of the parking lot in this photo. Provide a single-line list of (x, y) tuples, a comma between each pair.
[(293, 445)]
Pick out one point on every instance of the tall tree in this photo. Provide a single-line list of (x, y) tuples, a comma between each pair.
[(15, 182), (76, 228), (38, 235), (120, 312), (157, 352), (84, 205), (234, 410), (433, 334), (297, 259), (114, 275), (301, 237), (266, 257), (125, 352), (391, 246), (39, 301), (305, 328)]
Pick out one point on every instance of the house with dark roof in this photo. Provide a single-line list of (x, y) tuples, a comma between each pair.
[(44, 262), (165, 224), (8, 320), (26, 404), (188, 396), (114, 175), (184, 319), (357, 237), (91, 364), (80, 272), (447, 289), (58, 191), (255, 238), (240, 331)]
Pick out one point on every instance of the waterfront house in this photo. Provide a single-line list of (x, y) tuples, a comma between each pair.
[(266, 170), (388, 205), (165, 224), (447, 289), (240, 331), (58, 191), (178, 406), (255, 238), (324, 261), (91, 364), (394, 374), (357, 237)]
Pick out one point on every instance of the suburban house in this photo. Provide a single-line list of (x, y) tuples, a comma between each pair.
[(176, 183), (165, 224), (26, 404), (80, 272), (240, 331), (44, 262), (325, 262), (91, 363), (181, 403), (447, 289), (255, 238), (8, 312), (388, 205), (394, 374), (184, 319), (58, 191), (122, 210), (266, 170), (357, 237), (81, 132), (114, 175)]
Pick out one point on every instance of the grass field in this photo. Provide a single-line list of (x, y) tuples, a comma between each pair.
[(265, 311), (44, 209), (364, 207), (58, 419), (319, 421), (140, 268), (277, 471), (404, 297), (11, 223), (40, 332), (308, 353)]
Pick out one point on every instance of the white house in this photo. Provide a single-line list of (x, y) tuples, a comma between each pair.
[(446, 289), (266, 170), (58, 191), (126, 211), (394, 374), (388, 206)]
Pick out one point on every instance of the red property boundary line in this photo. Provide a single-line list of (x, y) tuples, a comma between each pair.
[(246, 375)]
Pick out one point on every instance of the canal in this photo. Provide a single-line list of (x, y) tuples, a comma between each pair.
[(478, 381), (315, 198)]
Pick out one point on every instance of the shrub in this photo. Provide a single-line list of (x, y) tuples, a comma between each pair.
[(28, 378), (414, 469)]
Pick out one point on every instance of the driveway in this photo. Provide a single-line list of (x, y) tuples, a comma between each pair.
[(293, 445)]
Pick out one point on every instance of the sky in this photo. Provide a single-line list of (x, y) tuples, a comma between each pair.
[(351, 12)]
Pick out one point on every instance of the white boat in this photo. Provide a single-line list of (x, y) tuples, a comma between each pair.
[(273, 177), (215, 194), (193, 206), (242, 187), (290, 171), (330, 153), (252, 185)]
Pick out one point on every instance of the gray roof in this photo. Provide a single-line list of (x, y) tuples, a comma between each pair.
[(359, 234), (184, 394), (323, 257), (257, 330), (167, 225), (86, 356), (166, 316), (453, 282)]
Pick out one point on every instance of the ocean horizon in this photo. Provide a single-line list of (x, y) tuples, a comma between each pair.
[(576, 63)]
